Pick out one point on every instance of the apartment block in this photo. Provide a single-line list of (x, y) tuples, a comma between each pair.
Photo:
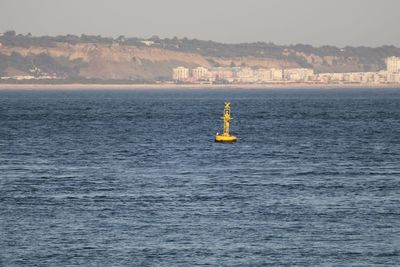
[(180, 74), (277, 74), (298, 74), (200, 74), (393, 65)]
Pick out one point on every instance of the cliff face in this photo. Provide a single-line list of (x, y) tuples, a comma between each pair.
[(113, 61), (73, 57), (98, 61)]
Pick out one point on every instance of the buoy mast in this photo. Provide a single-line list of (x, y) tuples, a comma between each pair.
[(226, 137), (227, 118)]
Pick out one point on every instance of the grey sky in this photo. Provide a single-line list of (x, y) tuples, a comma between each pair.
[(317, 22)]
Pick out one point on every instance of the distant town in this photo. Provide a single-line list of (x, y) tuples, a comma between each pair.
[(90, 59), (247, 75)]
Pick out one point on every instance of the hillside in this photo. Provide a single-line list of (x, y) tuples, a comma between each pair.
[(93, 58)]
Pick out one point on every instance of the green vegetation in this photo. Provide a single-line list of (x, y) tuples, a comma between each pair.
[(37, 65), (330, 58)]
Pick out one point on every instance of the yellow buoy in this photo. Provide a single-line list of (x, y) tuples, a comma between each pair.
[(226, 137)]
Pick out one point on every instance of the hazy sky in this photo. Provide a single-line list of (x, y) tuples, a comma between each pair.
[(317, 22)]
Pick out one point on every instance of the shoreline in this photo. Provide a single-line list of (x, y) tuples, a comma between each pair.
[(80, 86)]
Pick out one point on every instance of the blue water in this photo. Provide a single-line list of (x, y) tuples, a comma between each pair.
[(133, 178)]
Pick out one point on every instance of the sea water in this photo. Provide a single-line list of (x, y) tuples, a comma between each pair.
[(134, 178)]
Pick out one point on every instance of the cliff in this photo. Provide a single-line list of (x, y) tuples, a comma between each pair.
[(97, 58)]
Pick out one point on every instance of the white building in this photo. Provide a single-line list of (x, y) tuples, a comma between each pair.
[(147, 42), (277, 74), (264, 75), (222, 74), (298, 74), (200, 74), (393, 65), (337, 77), (393, 77), (246, 75), (180, 74)]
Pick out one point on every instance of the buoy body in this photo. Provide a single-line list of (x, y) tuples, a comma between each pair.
[(226, 137)]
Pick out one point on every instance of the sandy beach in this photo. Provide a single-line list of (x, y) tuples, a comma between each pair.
[(189, 86)]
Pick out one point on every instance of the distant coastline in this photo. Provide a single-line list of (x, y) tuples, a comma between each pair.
[(81, 86), (89, 59)]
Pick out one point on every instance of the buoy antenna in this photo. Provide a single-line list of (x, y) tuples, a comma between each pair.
[(227, 118)]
